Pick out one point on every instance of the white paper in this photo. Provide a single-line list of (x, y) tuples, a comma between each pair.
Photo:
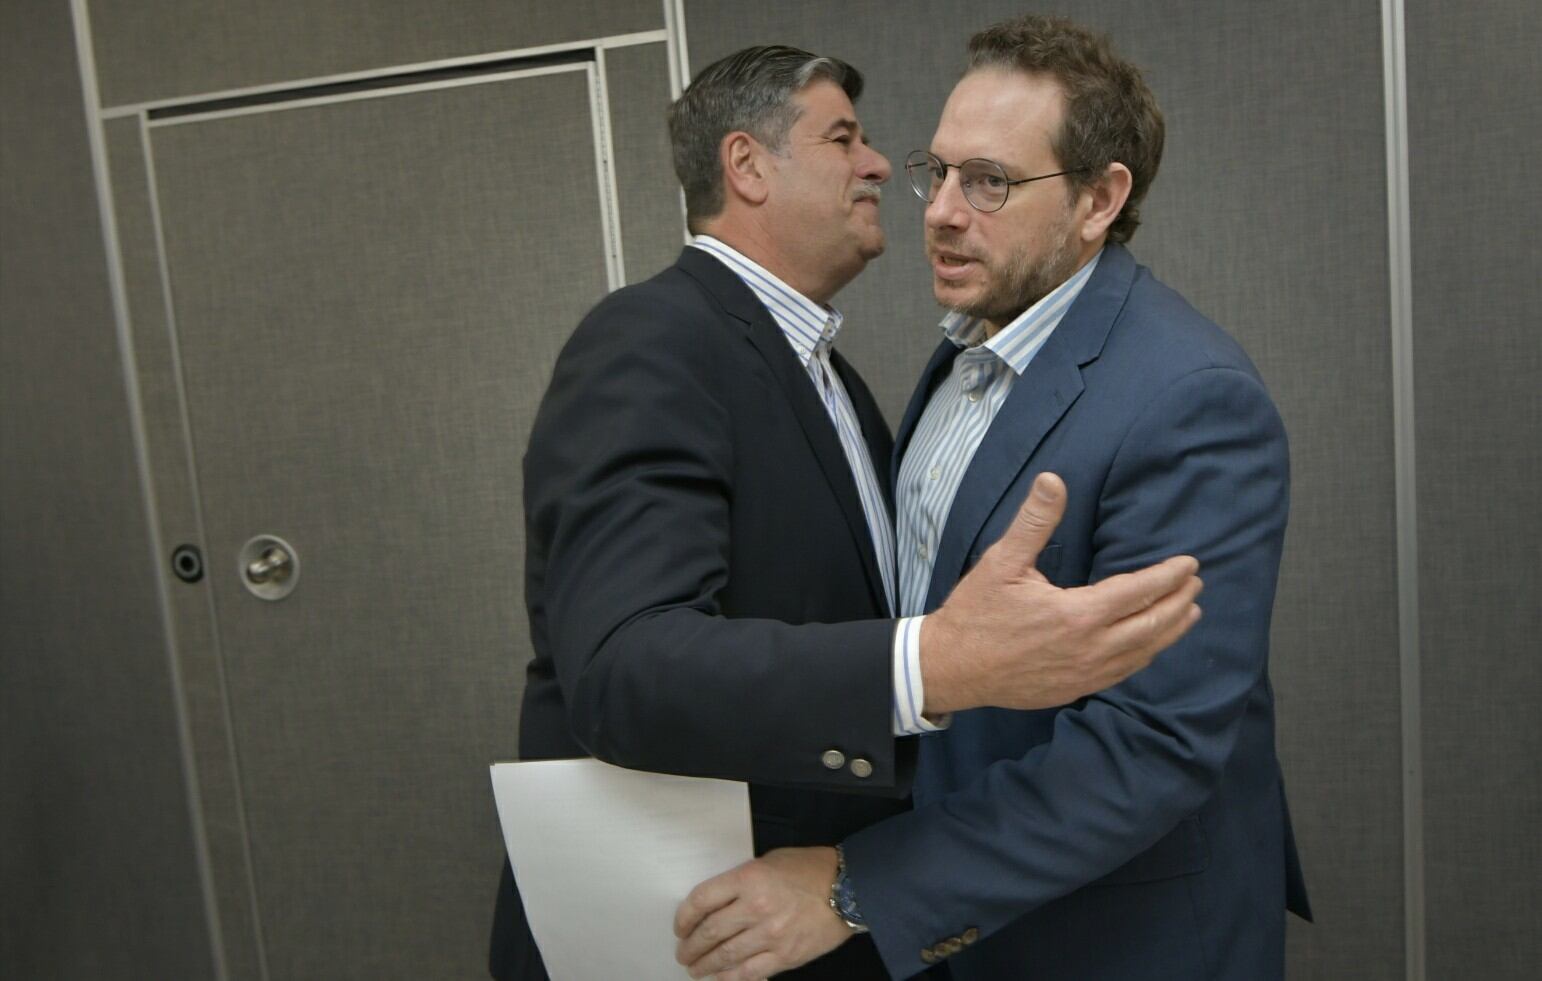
[(604, 855)]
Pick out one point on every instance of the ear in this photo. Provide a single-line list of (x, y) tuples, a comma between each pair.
[(744, 165), (1104, 200)]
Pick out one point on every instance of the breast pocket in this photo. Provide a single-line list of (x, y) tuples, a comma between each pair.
[(1048, 563)]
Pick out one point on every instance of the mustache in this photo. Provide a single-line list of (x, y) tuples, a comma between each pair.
[(952, 246), (868, 191)]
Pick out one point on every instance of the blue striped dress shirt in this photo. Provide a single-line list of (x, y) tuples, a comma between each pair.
[(954, 422), (810, 330)]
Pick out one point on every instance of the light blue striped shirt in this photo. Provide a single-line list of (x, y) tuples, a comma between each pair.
[(810, 330), (955, 420)]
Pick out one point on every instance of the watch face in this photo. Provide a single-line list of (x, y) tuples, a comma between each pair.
[(843, 898), (845, 902)]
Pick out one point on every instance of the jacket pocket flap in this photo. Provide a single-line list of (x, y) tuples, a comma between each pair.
[(1183, 851)]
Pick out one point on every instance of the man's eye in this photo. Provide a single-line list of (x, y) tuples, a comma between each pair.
[(994, 181)]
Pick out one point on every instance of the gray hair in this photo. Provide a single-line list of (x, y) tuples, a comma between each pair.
[(749, 91)]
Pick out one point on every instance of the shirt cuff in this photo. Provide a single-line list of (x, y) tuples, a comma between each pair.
[(909, 698)]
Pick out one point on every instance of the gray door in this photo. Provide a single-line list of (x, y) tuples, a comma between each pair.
[(368, 292)]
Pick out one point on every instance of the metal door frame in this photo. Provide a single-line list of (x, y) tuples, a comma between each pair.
[(271, 97)]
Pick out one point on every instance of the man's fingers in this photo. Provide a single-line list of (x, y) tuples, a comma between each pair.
[(716, 938), (1175, 630), (707, 897), (1120, 596), (1036, 520), (739, 942), (757, 968), (1139, 637), (689, 914)]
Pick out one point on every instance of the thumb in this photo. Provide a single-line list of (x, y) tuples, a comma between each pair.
[(1036, 520)]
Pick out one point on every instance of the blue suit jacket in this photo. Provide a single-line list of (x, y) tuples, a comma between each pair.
[(1141, 832)]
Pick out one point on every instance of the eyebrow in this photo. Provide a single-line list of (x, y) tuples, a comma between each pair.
[(1006, 169)]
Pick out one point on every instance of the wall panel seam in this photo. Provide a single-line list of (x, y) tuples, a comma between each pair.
[(678, 55), (96, 139), (1400, 277), (468, 61), (674, 44), (605, 163), (216, 651), (380, 93)]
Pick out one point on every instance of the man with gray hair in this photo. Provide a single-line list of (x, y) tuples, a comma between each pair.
[(710, 569)]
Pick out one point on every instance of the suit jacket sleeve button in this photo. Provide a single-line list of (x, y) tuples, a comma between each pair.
[(861, 768), (971, 935), (833, 759), (928, 955)]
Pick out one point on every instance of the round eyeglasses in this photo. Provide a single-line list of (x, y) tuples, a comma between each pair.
[(984, 182)]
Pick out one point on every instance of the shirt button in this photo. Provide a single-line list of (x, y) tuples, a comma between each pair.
[(921, 550), (833, 759), (974, 396), (861, 768), (935, 473)]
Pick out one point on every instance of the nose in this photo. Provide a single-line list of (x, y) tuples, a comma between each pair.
[(948, 209), (873, 166)]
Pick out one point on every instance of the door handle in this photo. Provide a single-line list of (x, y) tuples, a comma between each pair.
[(274, 566), (269, 567)]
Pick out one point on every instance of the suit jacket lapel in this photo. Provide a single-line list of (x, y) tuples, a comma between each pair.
[(744, 306), (1040, 397)]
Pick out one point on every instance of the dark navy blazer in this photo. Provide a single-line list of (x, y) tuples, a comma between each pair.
[(1142, 832), (701, 583)]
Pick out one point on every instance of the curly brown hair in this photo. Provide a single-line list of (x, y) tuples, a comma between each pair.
[(1110, 114)]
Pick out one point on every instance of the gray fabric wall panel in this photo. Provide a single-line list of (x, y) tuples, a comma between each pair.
[(1269, 215), (97, 861), (176, 48), (368, 303), (652, 222), (1475, 114), (192, 614)]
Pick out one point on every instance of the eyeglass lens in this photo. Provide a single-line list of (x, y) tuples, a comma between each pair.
[(984, 183)]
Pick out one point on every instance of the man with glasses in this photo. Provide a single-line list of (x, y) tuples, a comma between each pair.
[(1141, 832), (709, 566)]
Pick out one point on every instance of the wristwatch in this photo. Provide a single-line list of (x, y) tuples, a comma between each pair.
[(843, 899)]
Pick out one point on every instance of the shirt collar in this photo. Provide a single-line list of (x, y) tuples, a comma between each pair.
[(1020, 340), (805, 324)]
